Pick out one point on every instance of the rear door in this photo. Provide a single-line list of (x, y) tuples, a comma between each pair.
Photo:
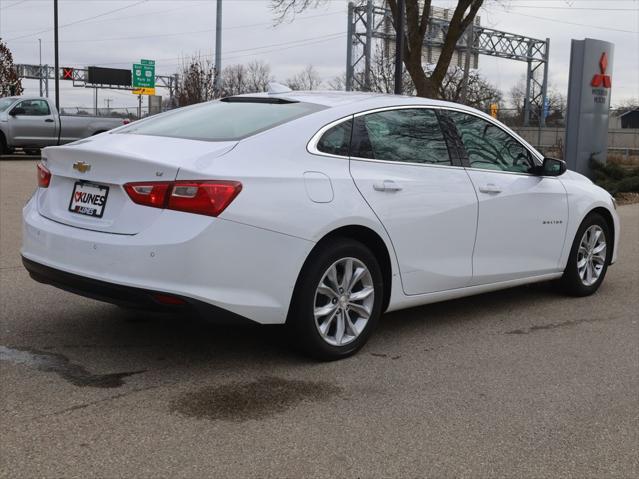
[(522, 216), (36, 126), (401, 164)]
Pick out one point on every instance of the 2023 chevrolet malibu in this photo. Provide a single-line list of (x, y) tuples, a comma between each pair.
[(318, 210)]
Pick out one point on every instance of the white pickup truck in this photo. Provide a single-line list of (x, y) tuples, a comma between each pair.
[(32, 123)]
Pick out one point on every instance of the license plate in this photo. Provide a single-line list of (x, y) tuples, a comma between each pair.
[(88, 199)]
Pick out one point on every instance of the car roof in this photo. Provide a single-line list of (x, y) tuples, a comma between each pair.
[(332, 99)]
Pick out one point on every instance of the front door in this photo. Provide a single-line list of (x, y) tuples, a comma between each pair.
[(401, 165), (34, 125), (522, 216)]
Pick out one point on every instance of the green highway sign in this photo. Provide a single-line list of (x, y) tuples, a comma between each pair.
[(143, 74)]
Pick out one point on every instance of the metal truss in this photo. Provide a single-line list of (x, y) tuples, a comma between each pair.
[(80, 76), (368, 22)]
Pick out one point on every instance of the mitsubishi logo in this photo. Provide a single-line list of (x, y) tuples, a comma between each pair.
[(81, 166), (601, 79)]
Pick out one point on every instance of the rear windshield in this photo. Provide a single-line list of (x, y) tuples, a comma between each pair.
[(221, 120)]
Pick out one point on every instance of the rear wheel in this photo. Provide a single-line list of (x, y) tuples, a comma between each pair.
[(589, 257), (33, 151), (3, 145), (337, 301)]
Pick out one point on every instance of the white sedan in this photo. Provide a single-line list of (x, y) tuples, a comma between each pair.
[(315, 209)]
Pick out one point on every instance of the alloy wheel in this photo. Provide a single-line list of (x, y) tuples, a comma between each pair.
[(344, 301), (591, 256)]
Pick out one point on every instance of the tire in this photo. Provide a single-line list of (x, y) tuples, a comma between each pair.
[(3, 145), (579, 280), (33, 151), (342, 316)]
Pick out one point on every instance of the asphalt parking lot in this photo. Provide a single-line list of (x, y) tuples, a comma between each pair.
[(518, 383)]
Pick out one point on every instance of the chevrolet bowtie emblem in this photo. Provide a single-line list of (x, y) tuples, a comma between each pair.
[(81, 166)]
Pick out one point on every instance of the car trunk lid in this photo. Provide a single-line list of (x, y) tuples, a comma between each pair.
[(94, 171)]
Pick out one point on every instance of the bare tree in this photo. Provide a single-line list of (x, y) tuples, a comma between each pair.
[(10, 83), (234, 80), (417, 15), (195, 83), (258, 76), (556, 106), (307, 79), (338, 83), (480, 93)]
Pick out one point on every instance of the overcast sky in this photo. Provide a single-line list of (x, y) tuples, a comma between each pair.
[(117, 33)]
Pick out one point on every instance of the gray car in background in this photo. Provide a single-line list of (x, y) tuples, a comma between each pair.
[(32, 123)]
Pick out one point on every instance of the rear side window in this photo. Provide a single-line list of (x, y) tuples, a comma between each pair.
[(337, 140), (221, 120), (408, 135)]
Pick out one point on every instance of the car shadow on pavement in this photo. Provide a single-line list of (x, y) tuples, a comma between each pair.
[(144, 340)]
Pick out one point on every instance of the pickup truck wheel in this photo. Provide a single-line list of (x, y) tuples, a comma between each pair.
[(3, 145)]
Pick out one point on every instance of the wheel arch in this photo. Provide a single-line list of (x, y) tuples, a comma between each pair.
[(369, 238), (3, 142), (607, 216)]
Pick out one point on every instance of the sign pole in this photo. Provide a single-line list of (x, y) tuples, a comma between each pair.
[(57, 66)]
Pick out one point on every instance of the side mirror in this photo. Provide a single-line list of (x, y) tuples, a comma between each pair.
[(552, 167), (17, 111)]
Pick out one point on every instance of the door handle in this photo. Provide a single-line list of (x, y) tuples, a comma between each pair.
[(490, 188), (48, 120), (386, 185)]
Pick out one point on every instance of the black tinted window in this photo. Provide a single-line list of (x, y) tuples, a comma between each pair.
[(337, 140), (407, 135), (34, 107), (489, 147)]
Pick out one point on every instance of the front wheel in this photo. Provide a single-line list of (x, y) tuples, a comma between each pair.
[(337, 300), (589, 257)]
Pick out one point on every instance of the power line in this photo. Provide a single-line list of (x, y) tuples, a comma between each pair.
[(574, 23), (81, 20), (600, 9), (127, 17), (190, 32), (13, 5), (287, 46)]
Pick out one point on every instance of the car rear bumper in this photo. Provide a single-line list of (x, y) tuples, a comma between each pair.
[(248, 271), (127, 296)]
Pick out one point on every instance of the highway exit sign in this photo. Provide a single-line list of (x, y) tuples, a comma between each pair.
[(143, 77)]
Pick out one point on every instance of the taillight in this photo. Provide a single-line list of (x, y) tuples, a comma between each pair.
[(149, 194), (44, 176), (203, 197)]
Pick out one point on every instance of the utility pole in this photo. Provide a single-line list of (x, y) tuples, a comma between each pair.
[(41, 73), (469, 46), (218, 49), (56, 73), (399, 45)]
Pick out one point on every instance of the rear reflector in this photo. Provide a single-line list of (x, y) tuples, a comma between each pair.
[(44, 176), (203, 197)]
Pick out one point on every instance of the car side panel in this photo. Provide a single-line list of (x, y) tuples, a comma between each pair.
[(583, 198)]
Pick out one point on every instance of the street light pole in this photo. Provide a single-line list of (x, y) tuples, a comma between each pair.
[(40, 74), (57, 63), (218, 49), (399, 45)]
